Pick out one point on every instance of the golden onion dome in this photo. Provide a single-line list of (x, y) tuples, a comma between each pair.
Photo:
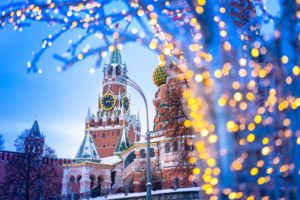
[(159, 76)]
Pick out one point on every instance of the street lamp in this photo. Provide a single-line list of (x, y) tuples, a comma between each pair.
[(135, 86)]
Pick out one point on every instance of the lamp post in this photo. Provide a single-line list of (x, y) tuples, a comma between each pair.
[(135, 86)]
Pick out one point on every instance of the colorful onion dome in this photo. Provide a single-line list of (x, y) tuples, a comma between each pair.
[(159, 76)]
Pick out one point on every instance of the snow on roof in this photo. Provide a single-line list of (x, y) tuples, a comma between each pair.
[(111, 160)]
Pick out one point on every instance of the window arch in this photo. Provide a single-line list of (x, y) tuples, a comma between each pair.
[(118, 70), (130, 158), (117, 121), (175, 146), (152, 152), (110, 70), (167, 148), (78, 178), (100, 180), (143, 153), (109, 121), (72, 179)]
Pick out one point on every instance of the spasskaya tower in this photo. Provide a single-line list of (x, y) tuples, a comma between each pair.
[(113, 128)]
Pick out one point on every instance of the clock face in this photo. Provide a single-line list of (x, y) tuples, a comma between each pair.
[(125, 102), (108, 101)]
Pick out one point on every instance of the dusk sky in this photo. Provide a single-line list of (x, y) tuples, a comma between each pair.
[(59, 100)]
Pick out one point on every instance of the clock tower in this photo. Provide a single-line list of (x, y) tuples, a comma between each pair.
[(113, 128)]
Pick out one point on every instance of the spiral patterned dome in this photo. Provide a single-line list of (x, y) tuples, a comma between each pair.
[(159, 76)]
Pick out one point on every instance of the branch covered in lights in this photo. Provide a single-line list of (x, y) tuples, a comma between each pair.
[(245, 98)]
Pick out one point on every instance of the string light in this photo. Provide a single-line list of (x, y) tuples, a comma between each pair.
[(245, 87)]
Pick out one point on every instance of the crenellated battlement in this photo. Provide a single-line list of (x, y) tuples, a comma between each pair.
[(10, 155)]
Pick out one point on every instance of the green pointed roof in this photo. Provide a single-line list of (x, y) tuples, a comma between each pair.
[(87, 150), (115, 56), (123, 142)]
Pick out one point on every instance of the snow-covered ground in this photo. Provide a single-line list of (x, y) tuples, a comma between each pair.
[(140, 194)]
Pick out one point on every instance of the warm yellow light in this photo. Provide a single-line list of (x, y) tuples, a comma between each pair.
[(167, 51), (255, 52), (251, 137), (250, 96), (260, 163), (199, 146), (298, 140), (265, 151), (199, 9), (243, 72), (284, 59), (238, 96), (202, 2), (187, 123), (153, 45), (296, 70), (236, 165), (218, 73), (230, 125), (223, 33), (243, 61), (261, 180), (192, 160), (198, 78), (213, 138), (80, 56), (250, 198), (222, 101), (222, 10), (232, 195), (284, 168), (257, 119), (254, 171), (269, 170), (196, 171), (265, 140), (211, 162), (262, 73), (235, 85), (251, 126)]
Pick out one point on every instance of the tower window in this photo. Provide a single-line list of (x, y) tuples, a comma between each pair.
[(118, 70), (110, 70), (175, 146), (143, 153), (72, 179), (167, 148), (152, 152), (103, 135), (78, 178), (117, 121)]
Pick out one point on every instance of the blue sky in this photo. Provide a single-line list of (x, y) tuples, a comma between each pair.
[(59, 100)]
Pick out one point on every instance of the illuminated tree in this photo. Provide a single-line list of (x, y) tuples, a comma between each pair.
[(244, 86)]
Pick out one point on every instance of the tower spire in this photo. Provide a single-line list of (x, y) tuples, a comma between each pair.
[(88, 115), (115, 56)]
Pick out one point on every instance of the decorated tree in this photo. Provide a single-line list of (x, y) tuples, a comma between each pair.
[(244, 89)]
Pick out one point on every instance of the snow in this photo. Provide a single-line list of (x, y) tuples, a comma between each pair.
[(111, 160), (140, 194)]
